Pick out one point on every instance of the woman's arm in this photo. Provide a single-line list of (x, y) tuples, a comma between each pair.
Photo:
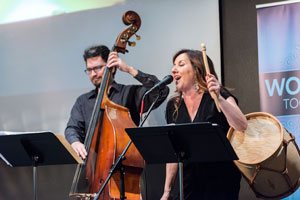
[(171, 171), (233, 114), (230, 109)]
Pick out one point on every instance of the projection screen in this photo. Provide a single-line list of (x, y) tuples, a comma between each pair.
[(41, 71)]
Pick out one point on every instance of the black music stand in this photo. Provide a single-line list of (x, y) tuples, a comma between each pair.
[(193, 142), (36, 149)]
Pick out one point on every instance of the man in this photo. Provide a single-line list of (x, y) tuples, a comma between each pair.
[(130, 96)]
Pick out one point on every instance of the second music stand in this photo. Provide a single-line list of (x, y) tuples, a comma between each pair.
[(193, 142), (36, 149)]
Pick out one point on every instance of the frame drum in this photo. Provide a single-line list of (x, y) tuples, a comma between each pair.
[(268, 156)]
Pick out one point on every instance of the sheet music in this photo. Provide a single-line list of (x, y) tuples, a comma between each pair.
[(4, 159)]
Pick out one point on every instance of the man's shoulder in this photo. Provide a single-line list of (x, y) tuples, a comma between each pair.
[(87, 95)]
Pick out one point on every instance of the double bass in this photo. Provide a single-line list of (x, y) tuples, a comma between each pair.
[(106, 138)]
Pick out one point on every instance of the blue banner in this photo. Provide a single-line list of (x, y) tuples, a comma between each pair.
[(279, 65)]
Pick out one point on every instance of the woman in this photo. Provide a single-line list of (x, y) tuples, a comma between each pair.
[(194, 104)]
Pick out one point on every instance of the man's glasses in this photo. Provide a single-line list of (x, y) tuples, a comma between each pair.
[(96, 69)]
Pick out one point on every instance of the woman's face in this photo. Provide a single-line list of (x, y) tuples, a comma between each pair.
[(183, 73)]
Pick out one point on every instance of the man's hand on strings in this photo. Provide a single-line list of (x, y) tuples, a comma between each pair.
[(115, 61)]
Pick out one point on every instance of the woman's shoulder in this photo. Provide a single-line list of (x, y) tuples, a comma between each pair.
[(226, 94), (172, 101)]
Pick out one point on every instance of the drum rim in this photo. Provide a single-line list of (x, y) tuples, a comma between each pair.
[(251, 115)]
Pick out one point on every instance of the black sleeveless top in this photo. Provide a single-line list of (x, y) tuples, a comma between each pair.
[(203, 175), (207, 112)]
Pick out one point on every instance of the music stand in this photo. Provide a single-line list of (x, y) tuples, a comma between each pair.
[(193, 142), (35, 149)]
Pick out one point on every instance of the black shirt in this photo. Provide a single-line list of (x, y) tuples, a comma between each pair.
[(129, 96)]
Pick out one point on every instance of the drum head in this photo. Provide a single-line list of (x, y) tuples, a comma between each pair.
[(261, 139)]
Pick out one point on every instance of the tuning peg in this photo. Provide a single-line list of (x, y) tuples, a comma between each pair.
[(132, 44), (137, 37)]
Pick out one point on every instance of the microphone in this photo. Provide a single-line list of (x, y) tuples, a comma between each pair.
[(165, 81)]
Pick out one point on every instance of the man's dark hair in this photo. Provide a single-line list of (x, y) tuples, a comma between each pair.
[(94, 51)]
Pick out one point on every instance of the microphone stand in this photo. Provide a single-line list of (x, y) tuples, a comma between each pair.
[(118, 164)]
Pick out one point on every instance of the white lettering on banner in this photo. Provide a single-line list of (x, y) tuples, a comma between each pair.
[(271, 89), (279, 87), (291, 103)]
